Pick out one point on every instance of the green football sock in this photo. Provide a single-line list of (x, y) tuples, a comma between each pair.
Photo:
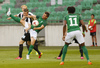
[(64, 52), (15, 18), (86, 53), (30, 49)]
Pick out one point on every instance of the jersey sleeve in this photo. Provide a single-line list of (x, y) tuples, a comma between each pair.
[(80, 24), (44, 23), (19, 15), (64, 18), (32, 26)]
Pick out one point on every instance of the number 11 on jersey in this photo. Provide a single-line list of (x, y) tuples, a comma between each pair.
[(72, 23)]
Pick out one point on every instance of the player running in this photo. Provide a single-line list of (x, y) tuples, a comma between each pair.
[(72, 20), (34, 30)]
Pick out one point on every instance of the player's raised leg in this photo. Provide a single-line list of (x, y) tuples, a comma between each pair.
[(19, 20)]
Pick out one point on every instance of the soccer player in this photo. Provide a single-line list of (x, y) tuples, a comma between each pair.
[(92, 28), (26, 36), (34, 30), (73, 31), (80, 49)]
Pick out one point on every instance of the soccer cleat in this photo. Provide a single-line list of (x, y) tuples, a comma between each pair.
[(58, 57), (82, 57), (18, 58), (36, 53), (31, 53), (89, 63), (40, 55), (8, 12), (92, 45), (27, 57), (62, 63), (96, 45)]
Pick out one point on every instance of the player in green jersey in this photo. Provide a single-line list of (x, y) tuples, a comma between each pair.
[(73, 31), (34, 30)]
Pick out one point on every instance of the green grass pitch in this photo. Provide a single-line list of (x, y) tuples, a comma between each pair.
[(48, 60)]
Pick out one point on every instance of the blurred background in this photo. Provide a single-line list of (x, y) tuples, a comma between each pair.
[(11, 31)]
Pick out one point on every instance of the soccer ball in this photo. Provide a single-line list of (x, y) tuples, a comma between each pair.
[(90, 27), (35, 23)]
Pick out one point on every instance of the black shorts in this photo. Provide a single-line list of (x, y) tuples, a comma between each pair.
[(26, 37), (75, 40), (93, 33)]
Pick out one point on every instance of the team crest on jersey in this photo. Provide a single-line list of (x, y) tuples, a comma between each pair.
[(41, 21)]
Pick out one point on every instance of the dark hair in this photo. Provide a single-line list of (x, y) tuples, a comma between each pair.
[(93, 15), (47, 13), (71, 9), (26, 10)]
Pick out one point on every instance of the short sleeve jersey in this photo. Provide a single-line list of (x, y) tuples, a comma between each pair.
[(73, 21), (41, 22)]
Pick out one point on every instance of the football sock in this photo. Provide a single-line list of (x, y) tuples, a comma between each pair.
[(86, 53), (81, 51), (93, 43), (64, 52), (37, 50), (61, 52), (27, 46), (30, 49), (15, 18), (20, 50)]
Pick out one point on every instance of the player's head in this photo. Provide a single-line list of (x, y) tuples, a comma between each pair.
[(71, 9), (45, 15), (25, 12), (23, 7), (92, 16)]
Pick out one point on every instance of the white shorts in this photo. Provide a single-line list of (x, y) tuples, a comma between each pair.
[(74, 34), (33, 34)]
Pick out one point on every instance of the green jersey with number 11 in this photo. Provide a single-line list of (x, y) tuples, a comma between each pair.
[(73, 21)]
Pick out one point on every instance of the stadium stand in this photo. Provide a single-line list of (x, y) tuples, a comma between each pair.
[(83, 7)]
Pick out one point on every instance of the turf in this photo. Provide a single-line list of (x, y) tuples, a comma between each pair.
[(48, 60)]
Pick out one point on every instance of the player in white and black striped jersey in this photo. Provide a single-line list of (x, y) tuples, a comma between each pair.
[(26, 36), (29, 20)]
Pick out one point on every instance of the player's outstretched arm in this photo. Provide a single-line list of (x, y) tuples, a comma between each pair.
[(31, 16), (38, 28)]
